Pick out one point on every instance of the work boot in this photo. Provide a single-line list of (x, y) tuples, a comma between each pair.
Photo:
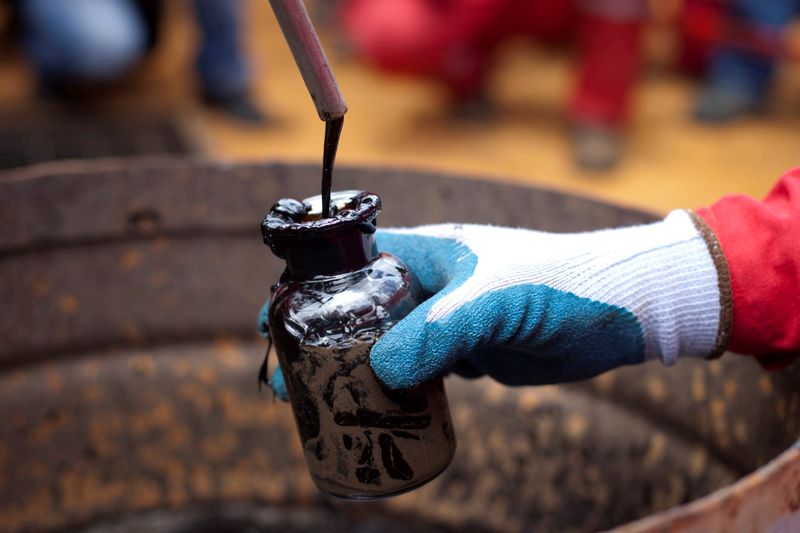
[(240, 107), (596, 147), (722, 104)]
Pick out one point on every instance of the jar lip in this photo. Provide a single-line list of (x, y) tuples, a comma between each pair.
[(292, 220)]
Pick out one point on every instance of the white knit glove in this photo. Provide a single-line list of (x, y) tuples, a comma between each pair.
[(528, 307)]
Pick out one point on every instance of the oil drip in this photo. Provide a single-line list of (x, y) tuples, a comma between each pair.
[(333, 130)]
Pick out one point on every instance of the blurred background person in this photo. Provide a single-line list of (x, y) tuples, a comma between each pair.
[(750, 37), (669, 159), (78, 46), (455, 42), (699, 30)]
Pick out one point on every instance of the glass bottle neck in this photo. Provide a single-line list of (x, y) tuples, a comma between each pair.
[(345, 251)]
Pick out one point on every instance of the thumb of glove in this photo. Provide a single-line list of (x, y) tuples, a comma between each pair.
[(416, 350)]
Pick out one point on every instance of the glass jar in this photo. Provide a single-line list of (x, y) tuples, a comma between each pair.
[(335, 299)]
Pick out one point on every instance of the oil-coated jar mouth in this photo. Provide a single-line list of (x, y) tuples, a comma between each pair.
[(291, 220)]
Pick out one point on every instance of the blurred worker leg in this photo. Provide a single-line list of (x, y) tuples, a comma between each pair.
[(609, 46), (454, 41), (700, 28), (742, 67), (73, 43), (221, 63)]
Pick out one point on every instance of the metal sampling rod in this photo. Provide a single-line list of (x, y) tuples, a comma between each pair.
[(307, 51)]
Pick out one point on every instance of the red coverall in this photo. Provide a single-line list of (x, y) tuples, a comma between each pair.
[(761, 243), (454, 40), (700, 27)]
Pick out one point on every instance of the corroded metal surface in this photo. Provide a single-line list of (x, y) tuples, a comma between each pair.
[(138, 429), (128, 376), (767, 500)]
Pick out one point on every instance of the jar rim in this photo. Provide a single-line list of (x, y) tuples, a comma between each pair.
[(293, 220)]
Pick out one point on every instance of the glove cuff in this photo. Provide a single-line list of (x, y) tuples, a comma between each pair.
[(760, 240), (668, 275), (723, 282)]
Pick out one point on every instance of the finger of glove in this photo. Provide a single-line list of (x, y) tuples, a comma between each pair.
[(278, 385), (416, 350), (434, 260), (514, 367), (263, 320), (522, 334), (541, 335)]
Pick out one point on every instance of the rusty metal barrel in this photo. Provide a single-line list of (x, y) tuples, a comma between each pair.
[(129, 359)]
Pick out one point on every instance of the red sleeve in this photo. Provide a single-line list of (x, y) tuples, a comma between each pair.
[(761, 242)]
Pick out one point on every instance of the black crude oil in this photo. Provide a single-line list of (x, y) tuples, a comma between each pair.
[(333, 130)]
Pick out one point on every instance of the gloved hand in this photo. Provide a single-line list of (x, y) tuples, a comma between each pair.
[(527, 307)]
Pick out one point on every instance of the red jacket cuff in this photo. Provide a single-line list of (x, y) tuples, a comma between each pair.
[(761, 243)]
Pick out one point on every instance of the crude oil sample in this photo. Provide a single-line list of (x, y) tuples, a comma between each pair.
[(335, 299)]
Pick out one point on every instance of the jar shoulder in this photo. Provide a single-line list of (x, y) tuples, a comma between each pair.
[(367, 301)]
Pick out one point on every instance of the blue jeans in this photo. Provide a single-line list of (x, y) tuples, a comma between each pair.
[(744, 71), (100, 40)]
